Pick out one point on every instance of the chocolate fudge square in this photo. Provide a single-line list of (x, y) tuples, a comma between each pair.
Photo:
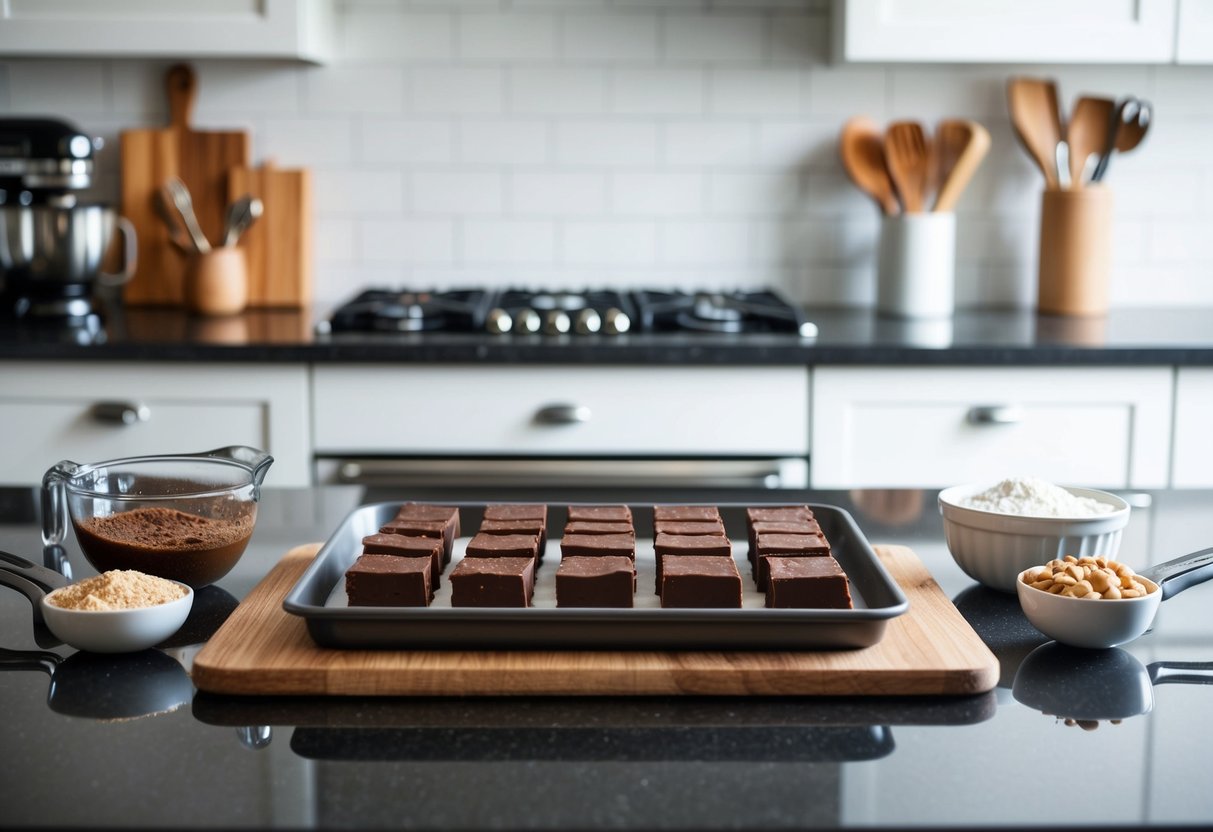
[(753, 515), (609, 514), (598, 545), (692, 527), (684, 545), (701, 582), (389, 581), (598, 527), (425, 511), (789, 545), (487, 545), (406, 546), (493, 582), (601, 581), (778, 527), (516, 511), (442, 529), (807, 583), (532, 526), (677, 513)]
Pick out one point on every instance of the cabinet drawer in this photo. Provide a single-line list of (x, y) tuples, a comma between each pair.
[(1193, 461), (462, 410), (49, 412), (884, 427)]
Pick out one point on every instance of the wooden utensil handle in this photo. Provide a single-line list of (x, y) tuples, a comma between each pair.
[(182, 87)]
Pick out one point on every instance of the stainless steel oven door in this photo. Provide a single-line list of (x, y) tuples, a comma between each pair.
[(786, 473)]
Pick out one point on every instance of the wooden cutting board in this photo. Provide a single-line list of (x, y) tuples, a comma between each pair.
[(279, 244), (930, 649), (201, 159)]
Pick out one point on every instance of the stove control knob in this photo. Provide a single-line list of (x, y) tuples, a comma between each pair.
[(617, 322), (498, 322), (526, 321), (557, 322), (588, 322)]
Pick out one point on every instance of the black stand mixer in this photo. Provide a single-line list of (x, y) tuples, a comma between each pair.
[(51, 244)]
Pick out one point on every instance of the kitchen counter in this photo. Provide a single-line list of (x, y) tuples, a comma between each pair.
[(125, 741), (846, 337)]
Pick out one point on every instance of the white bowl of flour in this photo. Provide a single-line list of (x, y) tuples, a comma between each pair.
[(995, 531)]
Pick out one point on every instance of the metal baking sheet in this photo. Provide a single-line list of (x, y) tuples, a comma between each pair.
[(319, 598)]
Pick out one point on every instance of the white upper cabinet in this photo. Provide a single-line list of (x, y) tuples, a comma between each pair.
[(1194, 35), (1016, 31), (280, 29)]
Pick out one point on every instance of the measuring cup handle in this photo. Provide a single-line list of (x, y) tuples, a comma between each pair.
[(1181, 673), (54, 502), (1174, 576)]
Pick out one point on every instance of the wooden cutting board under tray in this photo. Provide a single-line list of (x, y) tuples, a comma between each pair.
[(262, 650)]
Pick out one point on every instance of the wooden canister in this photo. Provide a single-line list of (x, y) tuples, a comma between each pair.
[(1075, 251), (216, 283)]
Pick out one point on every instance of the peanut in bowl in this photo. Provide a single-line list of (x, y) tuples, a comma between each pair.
[(1082, 620)]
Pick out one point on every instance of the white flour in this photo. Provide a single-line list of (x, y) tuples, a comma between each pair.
[(1035, 497)]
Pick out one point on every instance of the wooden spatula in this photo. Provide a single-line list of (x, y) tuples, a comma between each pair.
[(1087, 133), (909, 159), (862, 151), (1037, 121), (960, 147)]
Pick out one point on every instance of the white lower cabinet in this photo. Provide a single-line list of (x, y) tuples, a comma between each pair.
[(558, 410), (87, 412), (1192, 465), (924, 427)]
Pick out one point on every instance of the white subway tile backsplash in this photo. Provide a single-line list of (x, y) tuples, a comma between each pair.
[(514, 36), (658, 91), (715, 39), (490, 242), (459, 193), (616, 37), (606, 143), (456, 90), (557, 194), (555, 90), (399, 141), (687, 143), (407, 241)]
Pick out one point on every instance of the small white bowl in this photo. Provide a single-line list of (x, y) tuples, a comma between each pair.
[(117, 631), (993, 548), (1098, 623)]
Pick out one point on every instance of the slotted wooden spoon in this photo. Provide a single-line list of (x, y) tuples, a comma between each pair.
[(862, 152), (1037, 121), (1087, 133), (960, 146), (909, 158)]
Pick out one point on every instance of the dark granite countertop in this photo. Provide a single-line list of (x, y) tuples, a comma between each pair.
[(125, 741), (1011, 338)]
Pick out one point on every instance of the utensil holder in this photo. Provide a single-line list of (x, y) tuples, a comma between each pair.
[(916, 270), (1075, 251), (216, 283)]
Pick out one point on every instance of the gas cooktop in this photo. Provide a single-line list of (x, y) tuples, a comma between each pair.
[(605, 312)]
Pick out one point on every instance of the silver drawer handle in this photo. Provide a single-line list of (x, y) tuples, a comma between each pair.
[(120, 413), (995, 414), (562, 414)]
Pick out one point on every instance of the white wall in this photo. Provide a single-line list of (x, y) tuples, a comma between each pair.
[(668, 142)]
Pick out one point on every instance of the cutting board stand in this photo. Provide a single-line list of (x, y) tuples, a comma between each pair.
[(263, 650)]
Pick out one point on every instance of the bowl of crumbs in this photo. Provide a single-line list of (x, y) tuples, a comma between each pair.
[(120, 611), (997, 531)]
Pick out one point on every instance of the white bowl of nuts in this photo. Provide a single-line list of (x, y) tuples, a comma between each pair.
[(996, 532), (1088, 602)]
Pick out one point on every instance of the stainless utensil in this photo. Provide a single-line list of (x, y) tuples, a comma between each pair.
[(240, 215), (177, 235), (179, 197), (1132, 120), (1062, 155)]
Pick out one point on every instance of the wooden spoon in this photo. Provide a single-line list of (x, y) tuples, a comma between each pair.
[(961, 145), (1037, 121), (1087, 133), (909, 159), (862, 152)]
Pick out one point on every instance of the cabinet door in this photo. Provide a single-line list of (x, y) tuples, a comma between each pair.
[(1005, 31), (50, 412), (917, 427), (298, 29), (1192, 466), (1194, 32)]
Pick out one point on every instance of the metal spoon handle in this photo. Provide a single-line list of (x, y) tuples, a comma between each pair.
[(1174, 576)]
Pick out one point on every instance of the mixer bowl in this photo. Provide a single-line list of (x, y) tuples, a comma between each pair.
[(44, 244)]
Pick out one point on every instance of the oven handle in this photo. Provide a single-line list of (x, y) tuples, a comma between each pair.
[(539, 473)]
